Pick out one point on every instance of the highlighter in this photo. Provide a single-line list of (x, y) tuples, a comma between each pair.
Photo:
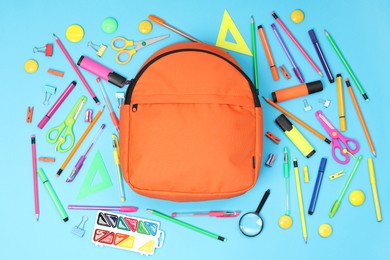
[(297, 91), (340, 99), (295, 136), (101, 71)]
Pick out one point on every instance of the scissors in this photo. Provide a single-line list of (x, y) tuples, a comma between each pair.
[(125, 54), (336, 139), (67, 125)]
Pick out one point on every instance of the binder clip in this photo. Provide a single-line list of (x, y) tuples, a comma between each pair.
[(80, 231), (47, 49), (100, 49), (274, 138), (284, 72), (306, 105), (271, 159), (336, 175), (49, 90), (120, 97), (30, 111), (325, 102)]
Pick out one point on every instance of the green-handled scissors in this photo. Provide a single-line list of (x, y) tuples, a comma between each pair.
[(67, 125), (125, 53)]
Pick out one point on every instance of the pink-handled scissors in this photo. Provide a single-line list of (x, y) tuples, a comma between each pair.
[(336, 139)]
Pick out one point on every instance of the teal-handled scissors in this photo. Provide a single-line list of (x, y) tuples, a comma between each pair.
[(125, 53), (54, 133)]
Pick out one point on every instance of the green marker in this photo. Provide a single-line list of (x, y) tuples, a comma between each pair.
[(52, 194), (253, 34), (344, 61), (337, 203)]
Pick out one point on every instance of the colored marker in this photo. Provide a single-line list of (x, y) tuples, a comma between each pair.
[(340, 100), (361, 118), (321, 56), (346, 65), (62, 47), (254, 51), (53, 194), (216, 213), (34, 164), (374, 190), (337, 203), (187, 225), (290, 58), (268, 53), (317, 186), (107, 208), (115, 146), (296, 43), (300, 200), (114, 119), (297, 91)]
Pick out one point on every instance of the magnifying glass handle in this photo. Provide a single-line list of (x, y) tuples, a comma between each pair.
[(263, 200)]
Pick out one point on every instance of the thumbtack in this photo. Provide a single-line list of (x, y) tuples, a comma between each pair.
[(306, 105), (120, 97), (47, 49), (49, 90), (325, 102), (336, 175), (100, 49)]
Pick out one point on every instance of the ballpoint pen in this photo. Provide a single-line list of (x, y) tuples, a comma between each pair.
[(127, 209), (216, 213), (114, 119), (286, 168), (118, 167)]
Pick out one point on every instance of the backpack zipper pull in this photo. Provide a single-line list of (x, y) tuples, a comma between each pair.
[(134, 108)]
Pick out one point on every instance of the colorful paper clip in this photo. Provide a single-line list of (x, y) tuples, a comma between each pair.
[(30, 111), (56, 72), (47, 49), (273, 137), (120, 97), (306, 105), (271, 159), (80, 231), (49, 90), (100, 49), (336, 175), (285, 72), (325, 102)]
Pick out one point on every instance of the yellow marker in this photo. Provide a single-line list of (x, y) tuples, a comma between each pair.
[(340, 98), (305, 174), (374, 190), (299, 191)]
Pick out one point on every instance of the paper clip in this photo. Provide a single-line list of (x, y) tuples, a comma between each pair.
[(100, 49), (88, 115), (325, 102), (55, 72), (47, 49), (273, 137), (305, 173), (30, 111), (271, 159), (336, 175), (306, 105), (120, 97), (49, 90), (80, 231), (285, 72)]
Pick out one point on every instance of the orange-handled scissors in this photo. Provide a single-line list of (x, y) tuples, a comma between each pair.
[(125, 53)]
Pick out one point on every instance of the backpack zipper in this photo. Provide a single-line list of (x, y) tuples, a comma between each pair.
[(133, 81)]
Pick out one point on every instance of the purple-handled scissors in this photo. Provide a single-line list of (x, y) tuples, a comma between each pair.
[(336, 139)]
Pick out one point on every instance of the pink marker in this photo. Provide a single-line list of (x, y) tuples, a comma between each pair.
[(296, 43), (57, 104), (34, 163), (218, 214)]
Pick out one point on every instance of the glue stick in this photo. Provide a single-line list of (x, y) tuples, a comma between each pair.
[(297, 91)]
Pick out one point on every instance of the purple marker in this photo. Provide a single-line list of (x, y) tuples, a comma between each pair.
[(295, 67), (321, 55)]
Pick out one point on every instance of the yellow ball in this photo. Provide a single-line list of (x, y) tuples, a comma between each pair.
[(325, 230), (145, 27), (31, 66), (75, 33), (357, 197), (297, 16), (285, 222)]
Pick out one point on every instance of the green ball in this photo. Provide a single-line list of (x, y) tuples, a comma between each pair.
[(109, 25)]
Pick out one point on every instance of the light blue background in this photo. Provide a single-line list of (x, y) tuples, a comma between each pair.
[(359, 27)]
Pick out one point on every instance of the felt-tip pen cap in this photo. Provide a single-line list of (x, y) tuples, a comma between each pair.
[(313, 36), (297, 91), (322, 164)]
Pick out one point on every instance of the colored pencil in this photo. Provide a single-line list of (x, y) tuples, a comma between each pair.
[(254, 51), (300, 200)]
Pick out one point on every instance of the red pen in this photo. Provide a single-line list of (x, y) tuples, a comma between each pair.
[(218, 214)]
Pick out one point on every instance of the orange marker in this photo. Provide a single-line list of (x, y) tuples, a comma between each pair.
[(297, 91), (268, 53)]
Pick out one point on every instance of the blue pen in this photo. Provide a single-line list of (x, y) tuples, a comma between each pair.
[(317, 186)]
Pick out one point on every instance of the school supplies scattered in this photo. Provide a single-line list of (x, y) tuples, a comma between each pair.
[(227, 25), (296, 43), (271, 159), (300, 200), (346, 65), (31, 66), (57, 104), (56, 72), (29, 116), (374, 189), (268, 53), (114, 119), (336, 136), (120, 98), (62, 47), (336, 175), (127, 232), (86, 132), (100, 49), (66, 141), (306, 174), (295, 136), (251, 224), (126, 209), (306, 105), (162, 22), (46, 159), (340, 100), (88, 115), (361, 118), (35, 177), (254, 51), (109, 25), (337, 203), (273, 137), (187, 225), (297, 91), (145, 27), (215, 213), (90, 186), (357, 198), (80, 162), (317, 185), (47, 49), (78, 230), (115, 145), (284, 72), (325, 102), (49, 91), (74, 33), (290, 58), (52, 194)]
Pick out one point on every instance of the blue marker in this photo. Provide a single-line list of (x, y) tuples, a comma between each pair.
[(317, 186)]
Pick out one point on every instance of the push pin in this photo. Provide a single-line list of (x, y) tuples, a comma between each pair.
[(30, 111), (285, 72), (88, 115), (271, 159), (80, 231), (100, 49), (336, 175), (306, 105), (49, 90), (47, 50), (326, 102), (120, 97), (273, 137)]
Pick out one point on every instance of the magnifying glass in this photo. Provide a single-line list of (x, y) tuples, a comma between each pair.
[(251, 224)]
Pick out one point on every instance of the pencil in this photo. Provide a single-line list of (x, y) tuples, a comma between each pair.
[(300, 201), (374, 190), (80, 141), (340, 100), (35, 177), (268, 53), (254, 50), (62, 47), (361, 118), (296, 119), (115, 146)]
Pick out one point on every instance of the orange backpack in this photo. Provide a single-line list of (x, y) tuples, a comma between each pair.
[(191, 126)]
